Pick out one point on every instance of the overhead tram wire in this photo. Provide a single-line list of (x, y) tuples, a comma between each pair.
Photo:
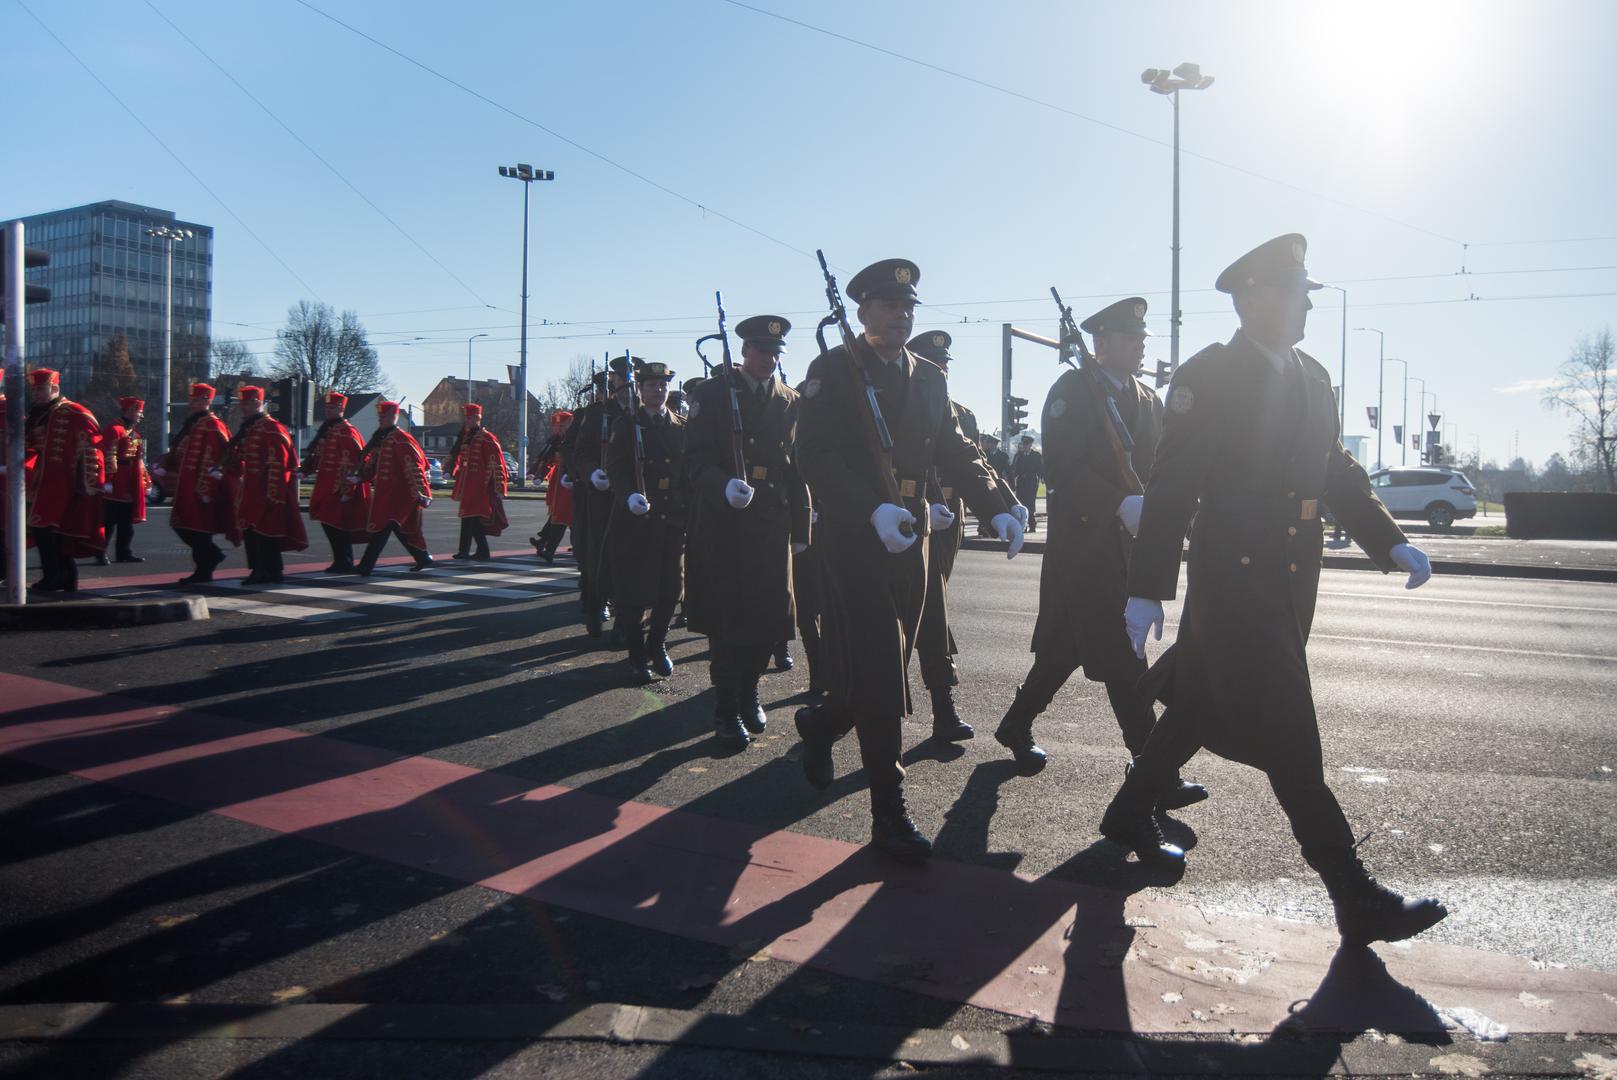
[(203, 184), (553, 133)]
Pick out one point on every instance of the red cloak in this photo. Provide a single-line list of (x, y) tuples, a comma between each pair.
[(202, 503), (266, 464), (64, 487), (397, 470), (481, 477), (333, 458), (125, 454)]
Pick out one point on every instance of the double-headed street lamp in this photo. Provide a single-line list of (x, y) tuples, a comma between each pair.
[(1403, 443), (1381, 386), (469, 341), (168, 234), (527, 174), (1186, 76)]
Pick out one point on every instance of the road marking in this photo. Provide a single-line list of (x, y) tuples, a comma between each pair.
[(1464, 648), (530, 580), (448, 586), (352, 596), (1414, 595), (280, 611)]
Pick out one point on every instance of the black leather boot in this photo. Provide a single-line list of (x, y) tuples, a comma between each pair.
[(817, 743), (1177, 795), (727, 720), (783, 657), (891, 830), (750, 711), (1367, 910), (946, 723), (658, 659), (1015, 733), (1129, 821)]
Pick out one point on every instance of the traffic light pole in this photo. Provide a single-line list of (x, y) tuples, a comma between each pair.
[(16, 591), (1005, 383)]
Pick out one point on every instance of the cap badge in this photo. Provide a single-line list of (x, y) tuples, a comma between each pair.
[(1139, 311), (939, 340), (902, 275), (774, 326)]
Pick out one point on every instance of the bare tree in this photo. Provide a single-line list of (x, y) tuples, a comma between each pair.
[(1587, 391), (329, 350), (563, 393), (233, 357)]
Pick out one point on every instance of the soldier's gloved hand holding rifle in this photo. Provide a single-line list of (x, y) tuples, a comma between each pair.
[(599, 480), (1021, 515), (738, 493), (1128, 511), (1414, 561), (638, 504), (942, 517), (888, 520), (566, 482), (1140, 615)]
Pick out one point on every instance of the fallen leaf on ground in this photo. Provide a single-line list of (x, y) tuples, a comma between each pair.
[(1459, 1065), (290, 993)]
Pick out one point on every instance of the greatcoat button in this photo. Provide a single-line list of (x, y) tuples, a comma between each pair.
[(1246, 560), (1294, 568), (1291, 530)]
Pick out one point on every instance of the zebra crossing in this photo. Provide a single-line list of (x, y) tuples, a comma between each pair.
[(390, 590)]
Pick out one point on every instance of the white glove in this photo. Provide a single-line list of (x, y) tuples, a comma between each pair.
[(1010, 530), (566, 481), (886, 519), (106, 489), (942, 517), (814, 517), (1021, 515), (346, 498), (1139, 615), (1129, 511), (1414, 560), (638, 504), (216, 474), (798, 549), (599, 481), (426, 501), (158, 469), (737, 493)]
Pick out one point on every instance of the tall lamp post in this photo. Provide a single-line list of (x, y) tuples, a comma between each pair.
[(1421, 417), (527, 174), (1341, 403), (1186, 76), (1381, 387), (169, 234), (469, 341), (1403, 450)]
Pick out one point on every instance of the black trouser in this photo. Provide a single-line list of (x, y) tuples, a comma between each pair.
[(1316, 817), (60, 571), (639, 630), (1029, 497), (378, 541), (1132, 707), (550, 538), (736, 667), (263, 555), (806, 586), (120, 522), (881, 746), (342, 545), (204, 552), (471, 531)]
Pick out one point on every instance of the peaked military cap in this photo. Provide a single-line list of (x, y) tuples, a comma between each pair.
[(690, 384), (1127, 316), (765, 331), (933, 345), (1276, 262), (651, 369), (892, 279), (619, 365)]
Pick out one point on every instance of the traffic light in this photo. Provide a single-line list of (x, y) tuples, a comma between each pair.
[(1015, 414), (1163, 374), (31, 257)]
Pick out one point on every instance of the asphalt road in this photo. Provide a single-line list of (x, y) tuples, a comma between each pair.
[(1467, 729)]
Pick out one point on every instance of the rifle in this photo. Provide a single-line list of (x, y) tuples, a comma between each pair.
[(728, 370), (875, 424), (1117, 432), (634, 423), (606, 403)]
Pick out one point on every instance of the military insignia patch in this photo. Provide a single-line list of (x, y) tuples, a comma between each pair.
[(902, 275), (811, 388), (774, 326), (1058, 408), (1181, 400)]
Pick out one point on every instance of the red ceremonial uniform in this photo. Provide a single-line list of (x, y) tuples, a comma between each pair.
[(266, 467), (124, 452), (397, 470), (333, 457), (201, 503), (558, 500), (64, 486), (480, 480)]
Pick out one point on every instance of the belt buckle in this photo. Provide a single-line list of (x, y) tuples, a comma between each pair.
[(759, 472), (907, 489), (948, 493), (662, 483), (1309, 510)]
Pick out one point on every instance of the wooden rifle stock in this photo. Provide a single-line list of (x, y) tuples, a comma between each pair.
[(1111, 421)]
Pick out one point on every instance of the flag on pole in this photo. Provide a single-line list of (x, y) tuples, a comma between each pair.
[(1414, 442), (1398, 433), (1375, 420)]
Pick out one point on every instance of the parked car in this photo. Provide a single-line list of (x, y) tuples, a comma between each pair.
[(435, 474), (1438, 494)]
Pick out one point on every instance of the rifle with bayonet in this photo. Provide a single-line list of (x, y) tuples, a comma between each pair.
[(728, 377), (875, 424), (1117, 432), (634, 425)]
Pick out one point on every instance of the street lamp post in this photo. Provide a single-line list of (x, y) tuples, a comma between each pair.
[(168, 234), (1403, 448), (469, 341), (527, 174), (1381, 387), (1186, 76)]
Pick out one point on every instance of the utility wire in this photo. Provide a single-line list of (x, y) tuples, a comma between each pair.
[(169, 150)]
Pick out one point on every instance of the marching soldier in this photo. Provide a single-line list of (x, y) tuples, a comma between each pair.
[(934, 639), (264, 462), (1026, 472), (595, 427), (339, 504), (1092, 513), (397, 470), (204, 505), (646, 532), (873, 512), (551, 468), (123, 496), (481, 476), (64, 485), (1250, 446), (583, 525), (743, 528)]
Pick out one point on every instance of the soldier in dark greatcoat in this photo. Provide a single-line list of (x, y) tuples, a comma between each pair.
[(742, 531), (872, 530), (588, 467), (1250, 446)]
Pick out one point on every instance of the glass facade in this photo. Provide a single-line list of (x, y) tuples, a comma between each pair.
[(106, 278)]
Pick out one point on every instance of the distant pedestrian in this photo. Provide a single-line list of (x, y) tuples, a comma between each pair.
[(1026, 472)]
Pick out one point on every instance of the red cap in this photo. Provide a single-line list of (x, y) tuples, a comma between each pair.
[(44, 377), (474, 412), (202, 390), (254, 392), (560, 415), (131, 404), (387, 408), (339, 400)]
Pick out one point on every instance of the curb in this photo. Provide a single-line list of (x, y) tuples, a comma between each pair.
[(1285, 1050), (101, 614), (1597, 574)]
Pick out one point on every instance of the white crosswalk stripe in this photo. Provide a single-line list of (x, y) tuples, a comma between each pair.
[(356, 596), (536, 581), (277, 611)]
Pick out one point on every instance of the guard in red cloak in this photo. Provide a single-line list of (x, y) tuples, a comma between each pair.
[(340, 506), (481, 476), (64, 487), (123, 495), (397, 470), (264, 460), (204, 498)]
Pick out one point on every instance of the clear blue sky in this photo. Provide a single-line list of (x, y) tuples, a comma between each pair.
[(1392, 134)]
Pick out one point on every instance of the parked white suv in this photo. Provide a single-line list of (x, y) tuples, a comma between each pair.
[(1436, 493)]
